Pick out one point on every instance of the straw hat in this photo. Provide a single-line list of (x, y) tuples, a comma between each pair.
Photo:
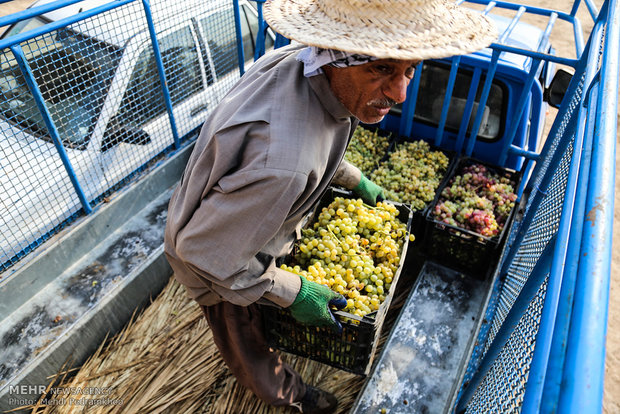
[(399, 29)]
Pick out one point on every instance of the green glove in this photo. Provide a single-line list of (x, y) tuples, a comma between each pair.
[(370, 192), (311, 307)]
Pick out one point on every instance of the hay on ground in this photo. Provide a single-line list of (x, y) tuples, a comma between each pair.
[(165, 361)]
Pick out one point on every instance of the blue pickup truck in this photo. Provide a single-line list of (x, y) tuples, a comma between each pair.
[(527, 335)]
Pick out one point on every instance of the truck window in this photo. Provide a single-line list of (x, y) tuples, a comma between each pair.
[(220, 34), (143, 99), (252, 21), (73, 73), (219, 30), (433, 85)]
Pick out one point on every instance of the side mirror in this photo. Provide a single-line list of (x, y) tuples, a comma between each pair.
[(124, 133), (557, 88)]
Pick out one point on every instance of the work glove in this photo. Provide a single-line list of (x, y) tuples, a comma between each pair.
[(370, 192), (311, 306)]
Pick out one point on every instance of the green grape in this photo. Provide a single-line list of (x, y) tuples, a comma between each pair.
[(354, 249), (411, 174), (366, 149)]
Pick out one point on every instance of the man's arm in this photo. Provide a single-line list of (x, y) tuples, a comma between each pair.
[(350, 177), (220, 244), (347, 176)]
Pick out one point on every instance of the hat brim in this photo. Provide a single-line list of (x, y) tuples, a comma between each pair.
[(424, 33)]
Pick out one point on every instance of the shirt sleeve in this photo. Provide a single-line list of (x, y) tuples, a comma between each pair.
[(223, 239), (347, 176)]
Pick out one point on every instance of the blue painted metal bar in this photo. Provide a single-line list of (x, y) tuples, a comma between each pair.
[(562, 113), (569, 17), (469, 106), (528, 292), (557, 352), (59, 24), (49, 123), (519, 111), (573, 11), (489, 7), (454, 67), (280, 41), (34, 11), (536, 55), (162, 73), (406, 117), (482, 102), (531, 155), (546, 332), (511, 26), (586, 340), (543, 45), (543, 176), (578, 33), (532, 75), (530, 9), (529, 166), (592, 9), (259, 50), (240, 52)]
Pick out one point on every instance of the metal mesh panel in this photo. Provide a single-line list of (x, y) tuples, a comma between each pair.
[(572, 107), (37, 193), (544, 226), (503, 388), (100, 83)]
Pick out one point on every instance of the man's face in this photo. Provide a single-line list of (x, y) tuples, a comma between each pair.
[(369, 90)]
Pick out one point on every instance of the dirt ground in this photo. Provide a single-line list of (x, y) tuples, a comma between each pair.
[(564, 45)]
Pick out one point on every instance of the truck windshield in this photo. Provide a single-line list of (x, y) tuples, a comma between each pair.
[(432, 92), (73, 73)]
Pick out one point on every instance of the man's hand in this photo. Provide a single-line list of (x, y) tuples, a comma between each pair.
[(370, 192), (311, 307)]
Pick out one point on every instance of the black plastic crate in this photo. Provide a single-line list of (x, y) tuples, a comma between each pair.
[(352, 350), (460, 248), (419, 214), (451, 155)]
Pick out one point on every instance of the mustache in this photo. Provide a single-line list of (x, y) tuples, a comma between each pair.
[(384, 102)]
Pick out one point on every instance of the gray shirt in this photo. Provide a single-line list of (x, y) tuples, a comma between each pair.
[(262, 160)]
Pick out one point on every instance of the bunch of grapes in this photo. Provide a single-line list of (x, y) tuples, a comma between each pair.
[(412, 174), (477, 200), (354, 249), (366, 149)]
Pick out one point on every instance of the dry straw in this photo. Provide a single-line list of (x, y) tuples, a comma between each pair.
[(165, 361), (399, 29)]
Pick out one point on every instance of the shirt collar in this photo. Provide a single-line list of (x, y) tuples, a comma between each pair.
[(320, 86)]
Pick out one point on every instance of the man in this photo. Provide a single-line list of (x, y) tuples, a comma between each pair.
[(273, 146)]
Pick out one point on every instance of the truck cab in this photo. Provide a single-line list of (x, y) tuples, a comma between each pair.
[(429, 115)]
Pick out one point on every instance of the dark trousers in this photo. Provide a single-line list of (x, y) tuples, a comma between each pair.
[(238, 334)]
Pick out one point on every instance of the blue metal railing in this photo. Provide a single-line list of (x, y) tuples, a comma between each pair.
[(551, 292), (31, 47), (564, 372)]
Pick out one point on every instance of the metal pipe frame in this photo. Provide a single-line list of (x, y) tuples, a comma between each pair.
[(59, 24), (454, 67), (408, 110), (239, 35), (546, 331), (529, 290), (49, 123), (161, 72), (586, 340)]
